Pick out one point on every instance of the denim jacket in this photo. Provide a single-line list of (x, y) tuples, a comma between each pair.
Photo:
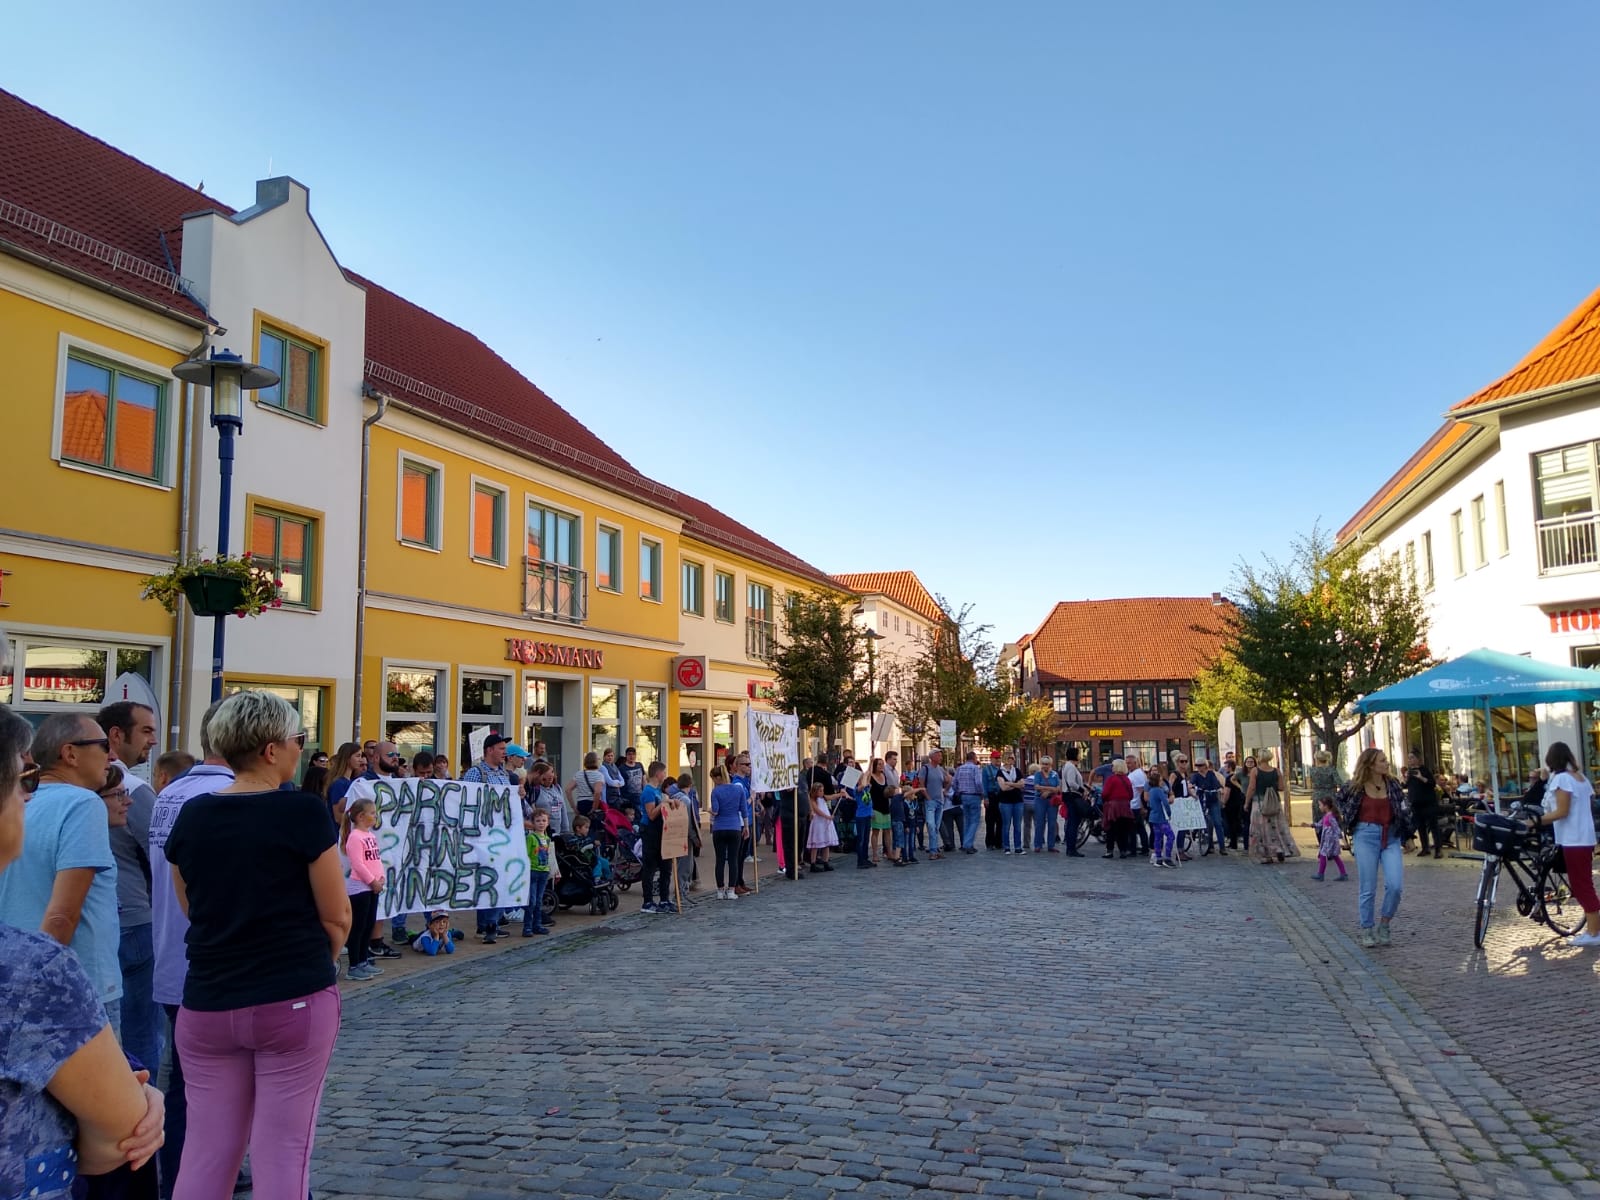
[(1348, 802)]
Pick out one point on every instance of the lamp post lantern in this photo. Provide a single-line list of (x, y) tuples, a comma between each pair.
[(228, 377)]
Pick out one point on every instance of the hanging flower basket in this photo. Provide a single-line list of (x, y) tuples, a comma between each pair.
[(216, 587)]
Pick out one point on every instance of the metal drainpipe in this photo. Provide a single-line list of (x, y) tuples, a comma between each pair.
[(176, 692), (361, 557)]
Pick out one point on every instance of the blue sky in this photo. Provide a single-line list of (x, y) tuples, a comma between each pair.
[(1045, 301)]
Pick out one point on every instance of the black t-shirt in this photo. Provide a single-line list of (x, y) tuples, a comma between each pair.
[(821, 774), (880, 795), (254, 933), (1420, 789)]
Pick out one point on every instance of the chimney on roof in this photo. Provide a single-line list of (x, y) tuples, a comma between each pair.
[(1216, 599)]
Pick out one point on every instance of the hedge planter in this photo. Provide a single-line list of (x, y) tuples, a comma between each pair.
[(214, 595)]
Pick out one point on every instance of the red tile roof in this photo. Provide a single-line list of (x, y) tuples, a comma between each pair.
[(71, 199), (1108, 641), (1568, 353), (903, 587)]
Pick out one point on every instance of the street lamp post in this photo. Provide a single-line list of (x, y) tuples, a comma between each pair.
[(228, 377), (873, 637)]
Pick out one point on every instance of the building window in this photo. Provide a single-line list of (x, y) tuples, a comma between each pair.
[(1568, 495), (897, 622), (608, 558), (1086, 702), (1060, 699), (1143, 700), (647, 709), (489, 503), (1502, 529), (411, 708), (1458, 543), (1116, 700), (758, 621), (298, 363), (61, 676), (1145, 750), (1411, 564), (694, 588), (113, 418), (1427, 561), (419, 504), (286, 541), (723, 583), (556, 584), (545, 718), (650, 569), (485, 701), (309, 702), (1167, 700), (1480, 532), (605, 717)]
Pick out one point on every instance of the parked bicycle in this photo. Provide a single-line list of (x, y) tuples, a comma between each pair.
[(1513, 846)]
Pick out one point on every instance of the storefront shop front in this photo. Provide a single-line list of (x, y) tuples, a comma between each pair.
[(432, 684), (1098, 744), (49, 671)]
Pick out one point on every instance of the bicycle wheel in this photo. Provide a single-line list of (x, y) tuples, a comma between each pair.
[(1088, 827), (1486, 889), (1557, 908)]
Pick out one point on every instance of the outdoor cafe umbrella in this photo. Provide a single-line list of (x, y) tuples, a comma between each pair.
[(1485, 679)]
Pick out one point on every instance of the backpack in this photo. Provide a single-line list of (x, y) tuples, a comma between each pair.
[(1271, 805)]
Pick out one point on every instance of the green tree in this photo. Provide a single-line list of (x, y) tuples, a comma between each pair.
[(958, 664), (821, 663), (1037, 726), (1323, 629), (1224, 684), (908, 696)]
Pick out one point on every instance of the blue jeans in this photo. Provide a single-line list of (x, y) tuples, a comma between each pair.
[(397, 930), (533, 915), (863, 839), (489, 920), (902, 843), (971, 820), (1217, 825), (143, 1022), (1370, 855), (1044, 822), (1011, 824), (932, 811)]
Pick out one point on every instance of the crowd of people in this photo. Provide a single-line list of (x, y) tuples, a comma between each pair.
[(199, 920)]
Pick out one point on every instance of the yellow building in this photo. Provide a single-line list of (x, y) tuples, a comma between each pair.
[(91, 324)]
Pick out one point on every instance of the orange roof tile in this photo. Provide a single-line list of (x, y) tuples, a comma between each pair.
[(1444, 439), (1108, 641), (903, 587)]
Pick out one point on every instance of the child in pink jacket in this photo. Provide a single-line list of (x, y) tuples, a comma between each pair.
[(363, 882)]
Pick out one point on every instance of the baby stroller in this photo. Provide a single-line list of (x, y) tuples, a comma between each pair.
[(616, 837), (586, 877)]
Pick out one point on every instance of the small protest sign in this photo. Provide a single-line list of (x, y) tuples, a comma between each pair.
[(674, 829), (947, 735), (850, 777), (1187, 813), (774, 751), (447, 845)]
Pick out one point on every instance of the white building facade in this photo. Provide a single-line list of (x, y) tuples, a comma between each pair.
[(1498, 519)]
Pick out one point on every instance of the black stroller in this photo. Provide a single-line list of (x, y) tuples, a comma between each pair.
[(586, 876)]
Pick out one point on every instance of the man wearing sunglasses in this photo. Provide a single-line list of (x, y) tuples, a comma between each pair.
[(65, 883)]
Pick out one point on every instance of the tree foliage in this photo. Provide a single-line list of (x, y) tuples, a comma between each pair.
[(1325, 628), (821, 662), (1226, 684)]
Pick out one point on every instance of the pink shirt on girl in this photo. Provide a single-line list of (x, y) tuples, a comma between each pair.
[(365, 866)]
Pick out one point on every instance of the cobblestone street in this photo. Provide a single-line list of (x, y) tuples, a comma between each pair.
[(1034, 1027)]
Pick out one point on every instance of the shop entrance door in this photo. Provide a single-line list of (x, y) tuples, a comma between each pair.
[(544, 720), (691, 749)]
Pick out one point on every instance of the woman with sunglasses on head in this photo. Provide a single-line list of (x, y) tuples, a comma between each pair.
[(259, 1016), (69, 1102)]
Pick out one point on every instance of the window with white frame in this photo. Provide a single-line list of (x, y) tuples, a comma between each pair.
[(608, 558), (1480, 532), (1411, 564), (648, 706), (1427, 560), (411, 707), (114, 417), (485, 703), (1503, 530), (489, 503), (1061, 698), (650, 569), (605, 717), (724, 600), (54, 674), (420, 500), (694, 588), (1458, 543)]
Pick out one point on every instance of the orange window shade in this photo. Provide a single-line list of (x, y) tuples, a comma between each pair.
[(135, 451), (414, 489), (264, 536), (483, 525), (294, 541), (83, 426), (299, 381)]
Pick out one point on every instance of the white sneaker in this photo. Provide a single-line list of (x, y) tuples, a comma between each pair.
[(1584, 939)]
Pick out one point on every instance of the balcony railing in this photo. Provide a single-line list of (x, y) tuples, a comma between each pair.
[(758, 638), (556, 592), (1570, 543)]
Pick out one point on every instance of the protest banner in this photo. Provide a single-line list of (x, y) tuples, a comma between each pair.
[(774, 751), (447, 845), (947, 735)]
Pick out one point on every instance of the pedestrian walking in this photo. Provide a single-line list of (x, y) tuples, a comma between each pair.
[(1372, 806), (1330, 839), (1270, 837), (1569, 811)]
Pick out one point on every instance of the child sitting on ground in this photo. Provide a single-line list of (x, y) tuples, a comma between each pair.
[(1329, 840), (435, 939), (1162, 839)]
